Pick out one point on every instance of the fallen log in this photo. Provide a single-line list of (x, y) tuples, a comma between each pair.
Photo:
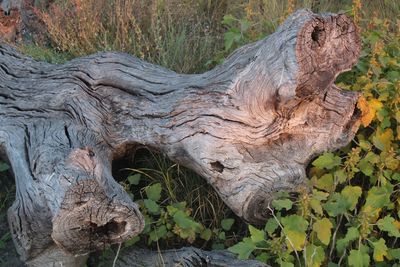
[(185, 257), (249, 126)]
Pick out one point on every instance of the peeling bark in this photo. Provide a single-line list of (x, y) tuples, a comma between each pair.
[(250, 126)]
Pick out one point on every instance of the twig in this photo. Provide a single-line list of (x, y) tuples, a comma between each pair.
[(116, 256), (334, 237)]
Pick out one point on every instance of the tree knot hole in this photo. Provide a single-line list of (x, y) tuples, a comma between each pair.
[(217, 166), (91, 153), (110, 229), (317, 35)]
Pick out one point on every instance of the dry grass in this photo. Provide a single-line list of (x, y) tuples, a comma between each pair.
[(181, 35)]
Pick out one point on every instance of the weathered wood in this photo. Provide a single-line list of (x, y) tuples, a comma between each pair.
[(250, 126), (184, 257)]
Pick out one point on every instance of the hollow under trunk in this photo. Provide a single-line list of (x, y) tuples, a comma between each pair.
[(249, 127)]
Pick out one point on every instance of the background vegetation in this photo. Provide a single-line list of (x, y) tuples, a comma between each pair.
[(351, 216)]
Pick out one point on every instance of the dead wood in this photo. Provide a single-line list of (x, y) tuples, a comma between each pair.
[(250, 127)]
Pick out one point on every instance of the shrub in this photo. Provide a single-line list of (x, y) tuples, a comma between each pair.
[(352, 215)]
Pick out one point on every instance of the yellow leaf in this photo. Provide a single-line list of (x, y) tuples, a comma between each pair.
[(382, 140), (397, 224), (295, 240), (380, 249), (373, 212), (316, 206), (368, 109), (323, 229), (398, 132)]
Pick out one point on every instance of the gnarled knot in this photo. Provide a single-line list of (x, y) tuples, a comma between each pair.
[(89, 219)]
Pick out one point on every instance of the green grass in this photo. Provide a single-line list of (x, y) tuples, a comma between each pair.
[(42, 53)]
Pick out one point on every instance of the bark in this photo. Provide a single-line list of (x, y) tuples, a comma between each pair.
[(250, 126)]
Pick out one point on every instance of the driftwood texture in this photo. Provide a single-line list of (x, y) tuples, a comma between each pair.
[(184, 257), (249, 126)]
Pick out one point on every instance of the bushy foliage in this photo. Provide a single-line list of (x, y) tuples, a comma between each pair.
[(352, 215), (178, 206)]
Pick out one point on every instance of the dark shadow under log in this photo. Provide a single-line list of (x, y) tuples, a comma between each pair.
[(249, 127)]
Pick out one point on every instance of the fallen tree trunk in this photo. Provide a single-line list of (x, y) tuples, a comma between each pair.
[(250, 126), (185, 257)]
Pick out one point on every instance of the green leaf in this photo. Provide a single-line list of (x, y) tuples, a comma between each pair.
[(325, 182), (226, 224), (316, 206), (263, 257), (378, 197), (206, 234), (323, 229), (294, 228), (327, 161), (132, 241), (158, 233), (244, 25), (233, 35), (280, 204), (286, 264), (295, 222), (153, 192), (393, 75), (271, 226), (338, 204), (387, 224), (366, 167), (134, 179), (222, 236), (351, 194), (228, 20), (340, 176), (374, 36), (358, 258), (4, 166), (152, 206), (394, 253), (256, 234), (351, 235), (380, 249), (382, 139), (244, 248), (185, 222), (314, 255), (316, 198), (172, 209), (365, 145)]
